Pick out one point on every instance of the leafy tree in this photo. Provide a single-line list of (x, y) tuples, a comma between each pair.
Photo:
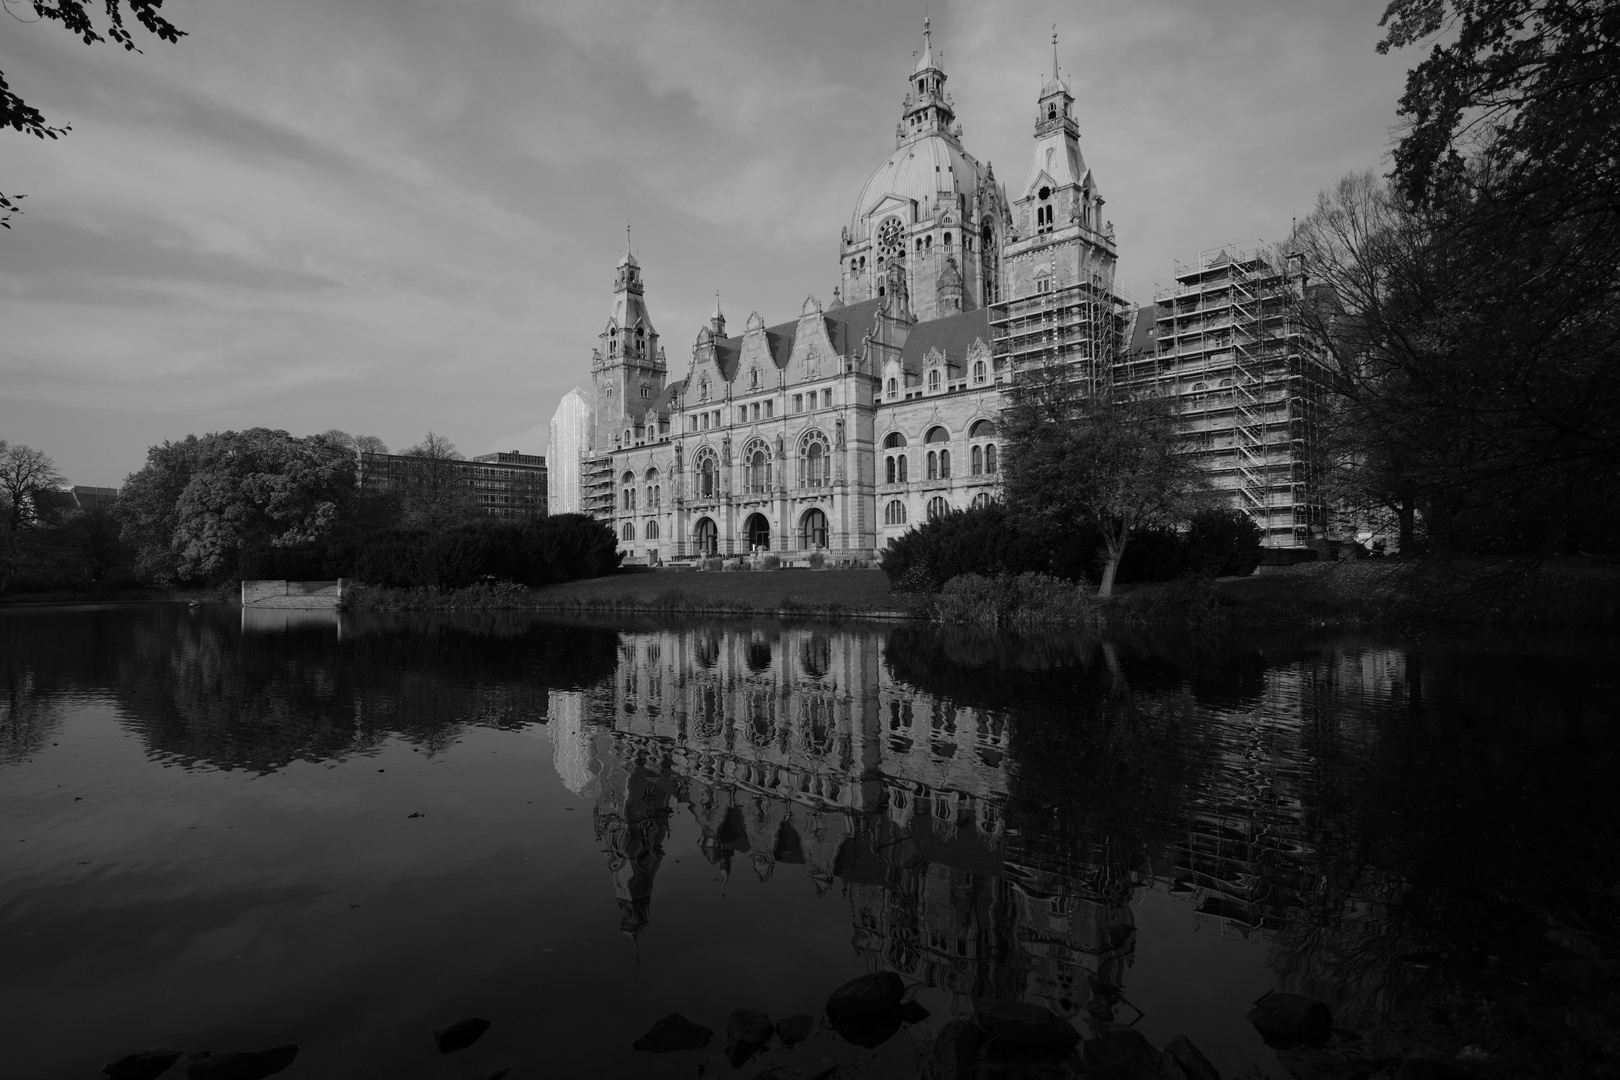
[(1222, 541), (1475, 362), (1082, 458), (74, 16), (26, 477), (1533, 84), (197, 504)]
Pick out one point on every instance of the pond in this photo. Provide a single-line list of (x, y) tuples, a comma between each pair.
[(226, 830)]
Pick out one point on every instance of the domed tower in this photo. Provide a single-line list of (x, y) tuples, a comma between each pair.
[(628, 370), (930, 204)]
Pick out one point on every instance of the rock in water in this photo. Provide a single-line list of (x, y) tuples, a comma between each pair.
[(913, 1011), (673, 1032), (793, 1030), (746, 1032), (460, 1035), (1193, 1063), (868, 998), (1123, 1054), (245, 1065), (1029, 1029), (142, 1064), (1289, 1020)]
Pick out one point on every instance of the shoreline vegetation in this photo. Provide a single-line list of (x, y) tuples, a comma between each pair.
[(1351, 594)]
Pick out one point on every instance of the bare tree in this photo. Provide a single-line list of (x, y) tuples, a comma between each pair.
[(25, 474)]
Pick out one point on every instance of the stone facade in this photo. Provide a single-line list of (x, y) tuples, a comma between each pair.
[(859, 419)]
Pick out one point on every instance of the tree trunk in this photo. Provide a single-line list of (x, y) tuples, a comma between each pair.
[(1407, 516), (1116, 551)]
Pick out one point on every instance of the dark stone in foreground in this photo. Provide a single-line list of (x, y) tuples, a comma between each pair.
[(1030, 1029), (142, 1064), (793, 1030), (868, 998), (1193, 1063), (747, 1031), (460, 1035), (243, 1065), (1123, 1055), (1288, 1020), (1313, 1063), (673, 1032), (1420, 1068), (913, 1011), (868, 1033)]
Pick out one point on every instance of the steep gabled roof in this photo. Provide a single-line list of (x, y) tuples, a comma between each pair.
[(952, 335)]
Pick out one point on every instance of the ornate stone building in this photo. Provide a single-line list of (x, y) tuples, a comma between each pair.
[(844, 427)]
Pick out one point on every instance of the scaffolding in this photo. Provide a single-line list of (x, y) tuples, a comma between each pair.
[(596, 487), (1225, 345), (1080, 324)]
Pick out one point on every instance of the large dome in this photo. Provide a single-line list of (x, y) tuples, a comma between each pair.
[(921, 169)]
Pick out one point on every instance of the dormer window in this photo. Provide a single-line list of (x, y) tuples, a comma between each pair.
[(933, 380)]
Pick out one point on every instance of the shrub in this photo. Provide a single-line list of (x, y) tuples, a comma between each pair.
[(713, 562), (985, 540), (735, 564), (1223, 542), (817, 560), (1014, 600), (770, 562)]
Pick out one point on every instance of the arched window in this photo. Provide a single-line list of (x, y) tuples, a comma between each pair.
[(894, 387), (944, 464), (977, 462), (814, 461), (627, 436), (979, 373), (893, 439), (938, 507), (937, 435), (902, 460), (889, 471), (933, 465), (894, 513), (933, 380), (651, 531), (759, 470), (982, 499), (708, 474), (813, 530), (947, 239), (628, 532), (990, 458), (982, 429)]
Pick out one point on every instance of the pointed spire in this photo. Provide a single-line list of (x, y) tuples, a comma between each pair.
[(927, 60), (629, 258)]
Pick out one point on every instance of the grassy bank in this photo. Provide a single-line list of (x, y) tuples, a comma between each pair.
[(829, 593), (1389, 591)]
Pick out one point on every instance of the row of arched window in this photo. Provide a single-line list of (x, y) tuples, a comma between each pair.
[(627, 531), (628, 494), (895, 513)]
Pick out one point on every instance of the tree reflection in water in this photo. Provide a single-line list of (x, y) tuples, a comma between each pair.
[(992, 809)]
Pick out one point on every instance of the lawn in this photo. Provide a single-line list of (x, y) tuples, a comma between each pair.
[(851, 591)]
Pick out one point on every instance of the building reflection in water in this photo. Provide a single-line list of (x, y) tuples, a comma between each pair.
[(794, 747)]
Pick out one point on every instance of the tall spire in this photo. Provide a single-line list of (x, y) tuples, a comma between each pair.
[(1054, 52), (629, 259), (927, 110)]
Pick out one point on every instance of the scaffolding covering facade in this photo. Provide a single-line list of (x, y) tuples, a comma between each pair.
[(1223, 342)]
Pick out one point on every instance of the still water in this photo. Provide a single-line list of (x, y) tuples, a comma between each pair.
[(230, 830)]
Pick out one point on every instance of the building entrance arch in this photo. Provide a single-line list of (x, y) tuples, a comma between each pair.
[(813, 530), (707, 537), (758, 531)]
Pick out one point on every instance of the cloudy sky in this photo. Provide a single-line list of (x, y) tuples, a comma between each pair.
[(388, 216)]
